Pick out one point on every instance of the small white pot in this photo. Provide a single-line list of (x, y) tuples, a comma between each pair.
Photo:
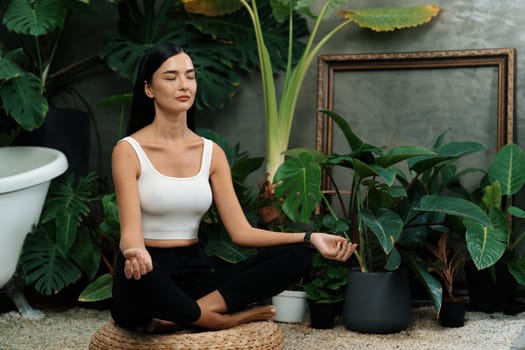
[(291, 306)]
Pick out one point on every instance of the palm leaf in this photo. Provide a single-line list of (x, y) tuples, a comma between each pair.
[(389, 19)]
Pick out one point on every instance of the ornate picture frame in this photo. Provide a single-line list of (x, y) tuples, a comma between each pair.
[(497, 64)]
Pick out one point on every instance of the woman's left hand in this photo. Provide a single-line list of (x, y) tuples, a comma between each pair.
[(332, 247)]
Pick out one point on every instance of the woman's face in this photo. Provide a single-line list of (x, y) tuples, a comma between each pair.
[(173, 85)]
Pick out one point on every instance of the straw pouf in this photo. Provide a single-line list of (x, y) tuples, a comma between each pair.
[(262, 335)]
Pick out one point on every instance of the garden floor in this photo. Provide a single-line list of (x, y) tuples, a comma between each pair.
[(71, 327)]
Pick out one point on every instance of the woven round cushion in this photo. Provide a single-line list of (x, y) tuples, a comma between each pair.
[(263, 335)]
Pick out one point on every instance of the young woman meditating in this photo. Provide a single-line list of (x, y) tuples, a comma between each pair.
[(166, 177)]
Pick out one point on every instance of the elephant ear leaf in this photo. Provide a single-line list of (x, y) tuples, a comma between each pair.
[(35, 17), (389, 19)]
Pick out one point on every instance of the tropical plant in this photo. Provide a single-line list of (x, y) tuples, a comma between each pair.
[(109, 230), (447, 262), (212, 232), (221, 49), (327, 281), (66, 245), (495, 238), (279, 112), (382, 214), (33, 31)]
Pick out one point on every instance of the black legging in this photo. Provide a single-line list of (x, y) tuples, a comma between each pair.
[(180, 276)]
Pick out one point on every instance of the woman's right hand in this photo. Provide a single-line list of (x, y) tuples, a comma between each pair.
[(138, 263)]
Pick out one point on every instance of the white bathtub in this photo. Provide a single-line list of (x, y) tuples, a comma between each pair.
[(25, 175)]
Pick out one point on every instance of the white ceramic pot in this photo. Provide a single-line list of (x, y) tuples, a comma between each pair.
[(291, 306)]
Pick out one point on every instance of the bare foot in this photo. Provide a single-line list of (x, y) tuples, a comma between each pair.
[(256, 313)]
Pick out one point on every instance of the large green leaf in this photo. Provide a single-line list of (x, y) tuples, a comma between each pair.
[(299, 184), (431, 284), (35, 17), (388, 19), (8, 68), (386, 226), (486, 244), (22, 99), (100, 289), (453, 206), (43, 264), (508, 168)]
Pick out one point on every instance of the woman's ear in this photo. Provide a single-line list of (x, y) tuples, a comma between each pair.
[(147, 90)]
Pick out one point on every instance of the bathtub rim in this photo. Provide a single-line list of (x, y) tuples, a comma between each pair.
[(56, 167)]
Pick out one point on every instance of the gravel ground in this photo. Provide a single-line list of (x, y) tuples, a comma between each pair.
[(72, 329)]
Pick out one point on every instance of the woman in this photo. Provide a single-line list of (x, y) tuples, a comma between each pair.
[(166, 177)]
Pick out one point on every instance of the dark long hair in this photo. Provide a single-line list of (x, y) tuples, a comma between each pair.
[(142, 109)]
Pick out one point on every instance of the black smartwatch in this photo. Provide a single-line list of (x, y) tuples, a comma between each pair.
[(306, 239)]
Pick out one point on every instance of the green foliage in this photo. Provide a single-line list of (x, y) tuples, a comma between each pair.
[(33, 30), (328, 280), (279, 112), (100, 289), (212, 233), (221, 48), (66, 244), (71, 239), (389, 212)]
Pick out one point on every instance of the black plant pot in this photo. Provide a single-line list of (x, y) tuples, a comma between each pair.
[(452, 313), (377, 302), (322, 315)]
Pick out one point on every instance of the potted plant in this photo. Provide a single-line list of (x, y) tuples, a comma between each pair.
[(492, 243), (447, 262), (381, 215), (325, 291)]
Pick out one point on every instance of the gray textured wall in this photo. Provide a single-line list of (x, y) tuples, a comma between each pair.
[(473, 24), (391, 115)]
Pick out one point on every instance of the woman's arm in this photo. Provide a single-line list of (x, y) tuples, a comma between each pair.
[(243, 234), (126, 170)]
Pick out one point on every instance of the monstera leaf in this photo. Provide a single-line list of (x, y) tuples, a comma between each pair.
[(43, 264), (299, 185), (23, 101), (35, 17)]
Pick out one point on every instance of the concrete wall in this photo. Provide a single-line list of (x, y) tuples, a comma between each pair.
[(473, 24)]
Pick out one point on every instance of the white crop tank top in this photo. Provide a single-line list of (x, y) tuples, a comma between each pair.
[(172, 207)]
